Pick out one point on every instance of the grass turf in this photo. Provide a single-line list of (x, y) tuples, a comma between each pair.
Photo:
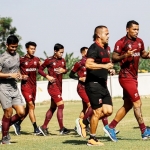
[(129, 136)]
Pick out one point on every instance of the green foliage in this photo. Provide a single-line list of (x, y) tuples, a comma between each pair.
[(6, 29), (70, 61), (144, 64)]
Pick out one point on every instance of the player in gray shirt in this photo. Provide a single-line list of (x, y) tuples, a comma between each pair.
[(9, 94)]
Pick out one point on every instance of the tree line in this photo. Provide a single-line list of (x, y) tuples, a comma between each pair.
[(6, 29)]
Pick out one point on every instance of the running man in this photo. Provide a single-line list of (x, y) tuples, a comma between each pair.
[(128, 51), (79, 68), (9, 94), (98, 66), (56, 67), (29, 64)]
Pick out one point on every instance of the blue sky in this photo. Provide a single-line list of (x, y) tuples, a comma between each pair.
[(72, 22)]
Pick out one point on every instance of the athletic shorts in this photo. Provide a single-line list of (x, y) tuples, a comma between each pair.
[(82, 93), (130, 90), (55, 92), (10, 97), (29, 95), (98, 95)]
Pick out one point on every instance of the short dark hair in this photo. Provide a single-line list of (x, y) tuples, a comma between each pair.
[(129, 23), (58, 46), (30, 44), (12, 39), (83, 49), (98, 27)]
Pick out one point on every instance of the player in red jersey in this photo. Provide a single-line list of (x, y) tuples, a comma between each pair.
[(128, 51), (79, 68), (56, 66), (28, 66)]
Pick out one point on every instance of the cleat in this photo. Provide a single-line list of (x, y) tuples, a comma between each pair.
[(81, 128), (116, 131), (17, 128), (64, 131), (5, 140), (43, 131), (94, 142), (110, 132), (75, 129), (146, 134), (37, 132)]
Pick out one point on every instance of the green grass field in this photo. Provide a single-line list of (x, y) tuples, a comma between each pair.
[(129, 136)]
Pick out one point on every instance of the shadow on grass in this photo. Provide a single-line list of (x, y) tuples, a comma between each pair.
[(74, 142), (119, 139)]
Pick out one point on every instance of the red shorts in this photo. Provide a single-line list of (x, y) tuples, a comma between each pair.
[(82, 93), (130, 90), (29, 95), (55, 92)]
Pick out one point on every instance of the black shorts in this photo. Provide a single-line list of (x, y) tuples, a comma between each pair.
[(98, 94)]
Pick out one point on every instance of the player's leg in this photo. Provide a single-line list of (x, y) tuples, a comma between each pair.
[(107, 109), (88, 112), (94, 93), (6, 103), (48, 116), (84, 109)]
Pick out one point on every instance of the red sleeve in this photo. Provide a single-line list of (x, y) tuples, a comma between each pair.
[(42, 67), (118, 47), (76, 66), (38, 65)]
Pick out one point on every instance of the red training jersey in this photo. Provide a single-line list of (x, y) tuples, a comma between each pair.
[(52, 64), (79, 68), (29, 66), (129, 66)]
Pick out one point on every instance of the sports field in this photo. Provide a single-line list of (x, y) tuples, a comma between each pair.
[(129, 136)]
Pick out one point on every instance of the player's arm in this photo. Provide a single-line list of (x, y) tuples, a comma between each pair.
[(72, 75), (9, 75), (42, 73), (90, 64), (145, 54)]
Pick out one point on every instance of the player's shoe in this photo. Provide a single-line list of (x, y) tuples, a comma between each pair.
[(146, 134), (110, 132), (5, 140), (43, 131), (17, 128), (75, 129), (81, 128), (94, 142), (37, 132), (116, 131), (64, 131)]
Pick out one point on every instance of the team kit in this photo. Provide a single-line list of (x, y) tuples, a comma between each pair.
[(91, 71)]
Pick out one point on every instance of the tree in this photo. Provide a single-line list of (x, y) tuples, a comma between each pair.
[(70, 61), (6, 29)]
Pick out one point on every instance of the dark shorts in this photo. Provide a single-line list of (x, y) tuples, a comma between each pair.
[(55, 92), (98, 95), (130, 89), (29, 95), (82, 93)]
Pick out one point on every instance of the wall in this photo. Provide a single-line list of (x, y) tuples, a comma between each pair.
[(70, 93)]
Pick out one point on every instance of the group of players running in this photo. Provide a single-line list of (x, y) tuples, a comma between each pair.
[(91, 72)]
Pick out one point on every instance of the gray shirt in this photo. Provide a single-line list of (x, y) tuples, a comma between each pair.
[(9, 64)]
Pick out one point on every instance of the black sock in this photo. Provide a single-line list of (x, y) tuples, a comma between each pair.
[(86, 122), (19, 122), (34, 125)]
